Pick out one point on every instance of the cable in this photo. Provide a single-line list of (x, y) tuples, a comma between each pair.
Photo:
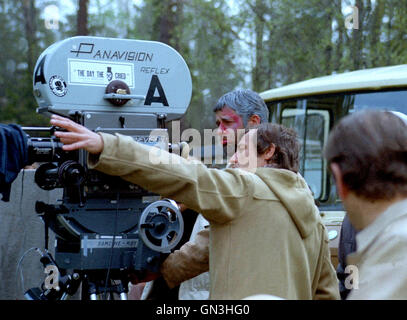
[(24, 236), (22, 220), (19, 266), (112, 248), (22, 193)]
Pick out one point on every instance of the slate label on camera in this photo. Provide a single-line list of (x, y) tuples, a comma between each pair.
[(85, 72)]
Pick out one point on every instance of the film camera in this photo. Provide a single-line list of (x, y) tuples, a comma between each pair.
[(105, 227)]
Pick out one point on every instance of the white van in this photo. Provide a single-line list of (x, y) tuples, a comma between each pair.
[(313, 106)]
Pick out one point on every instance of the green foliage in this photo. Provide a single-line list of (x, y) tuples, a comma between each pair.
[(227, 44), (202, 33), (302, 39), (18, 53), (210, 38)]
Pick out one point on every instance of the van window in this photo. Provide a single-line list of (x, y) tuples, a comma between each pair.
[(314, 116), (384, 100), (312, 127)]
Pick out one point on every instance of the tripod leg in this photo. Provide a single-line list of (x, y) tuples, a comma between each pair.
[(123, 288), (89, 289), (93, 296), (92, 290)]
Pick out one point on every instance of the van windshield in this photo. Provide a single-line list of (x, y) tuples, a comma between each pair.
[(314, 116), (385, 100)]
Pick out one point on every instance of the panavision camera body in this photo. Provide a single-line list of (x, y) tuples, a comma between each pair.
[(130, 87)]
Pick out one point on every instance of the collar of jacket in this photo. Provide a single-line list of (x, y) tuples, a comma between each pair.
[(366, 236)]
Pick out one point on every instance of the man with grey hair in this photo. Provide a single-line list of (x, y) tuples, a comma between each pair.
[(237, 110), (246, 103)]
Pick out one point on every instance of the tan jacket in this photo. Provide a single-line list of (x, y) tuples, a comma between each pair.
[(381, 257), (190, 264), (266, 235), (189, 261)]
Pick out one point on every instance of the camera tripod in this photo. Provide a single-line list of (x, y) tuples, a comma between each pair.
[(90, 284), (101, 265)]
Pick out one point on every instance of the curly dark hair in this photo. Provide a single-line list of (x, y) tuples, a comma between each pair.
[(287, 146), (370, 148)]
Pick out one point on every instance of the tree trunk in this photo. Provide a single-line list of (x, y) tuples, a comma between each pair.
[(258, 71), (341, 36), (389, 36), (82, 18), (357, 38), (375, 32), (167, 15), (30, 26), (329, 46)]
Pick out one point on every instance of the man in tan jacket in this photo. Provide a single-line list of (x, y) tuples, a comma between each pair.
[(266, 235), (188, 266)]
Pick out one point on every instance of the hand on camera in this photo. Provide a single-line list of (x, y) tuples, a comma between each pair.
[(182, 207), (77, 137), (145, 276)]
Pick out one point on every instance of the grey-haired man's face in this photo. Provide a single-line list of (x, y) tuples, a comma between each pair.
[(228, 123)]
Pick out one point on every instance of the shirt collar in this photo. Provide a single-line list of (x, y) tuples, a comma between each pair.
[(366, 236)]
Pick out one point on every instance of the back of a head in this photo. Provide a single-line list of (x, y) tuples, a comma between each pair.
[(370, 148), (285, 140), (244, 102)]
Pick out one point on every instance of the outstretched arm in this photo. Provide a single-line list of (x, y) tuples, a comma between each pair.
[(220, 195)]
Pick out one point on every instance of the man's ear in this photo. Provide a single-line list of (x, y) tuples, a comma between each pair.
[(341, 188), (270, 152), (254, 120)]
